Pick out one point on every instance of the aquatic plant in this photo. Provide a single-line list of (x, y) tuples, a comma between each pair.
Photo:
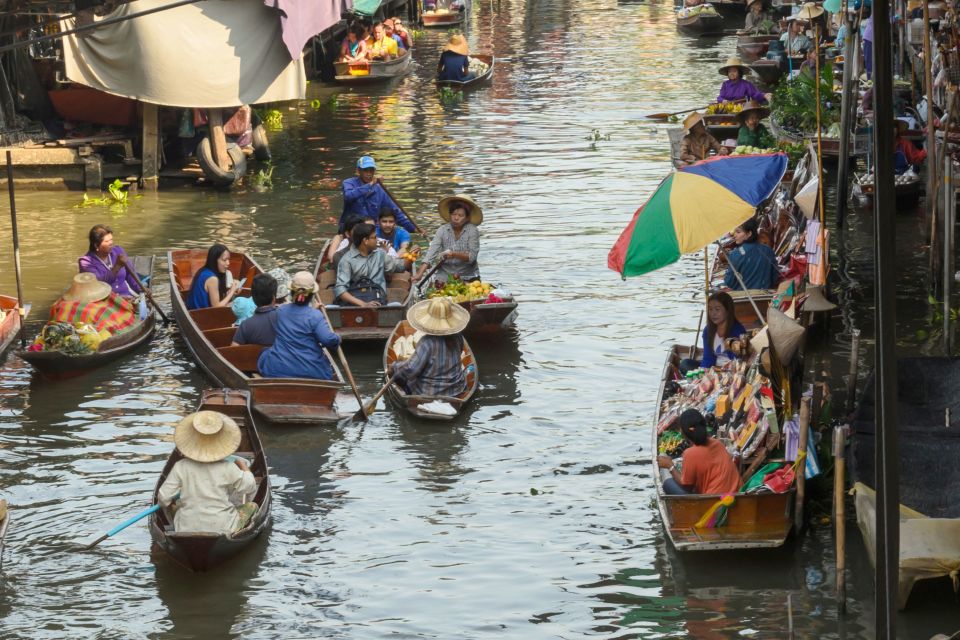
[(117, 195), (449, 96), (273, 119), (416, 34), (596, 136), (263, 179)]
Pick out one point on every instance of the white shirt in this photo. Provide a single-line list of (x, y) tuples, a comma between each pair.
[(719, 349), (205, 492)]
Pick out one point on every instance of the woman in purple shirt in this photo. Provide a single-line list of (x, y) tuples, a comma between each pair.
[(735, 88), (109, 263)]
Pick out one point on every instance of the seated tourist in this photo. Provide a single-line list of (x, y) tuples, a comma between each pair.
[(261, 327), (391, 33), (722, 324), (707, 468), (380, 46), (360, 274), (402, 32), (697, 143), (206, 478), (354, 48), (754, 261), (397, 237), (454, 60), (209, 287), (302, 332), (751, 132), (456, 243), (435, 368), (109, 262)]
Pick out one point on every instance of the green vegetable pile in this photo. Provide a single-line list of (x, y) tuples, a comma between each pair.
[(794, 103)]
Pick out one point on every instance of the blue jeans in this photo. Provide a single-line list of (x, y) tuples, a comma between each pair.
[(672, 488)]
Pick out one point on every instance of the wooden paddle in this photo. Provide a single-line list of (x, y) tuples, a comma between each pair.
[(123, 525), (402, 210), (131, 269), (343, 361), (371, 406)]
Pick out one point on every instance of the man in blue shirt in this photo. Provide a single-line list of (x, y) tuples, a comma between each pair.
[(364, 196), (261, 328), (388, 230)]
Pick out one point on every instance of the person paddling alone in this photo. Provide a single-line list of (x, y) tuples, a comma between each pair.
[(435, 368), (109, 263)]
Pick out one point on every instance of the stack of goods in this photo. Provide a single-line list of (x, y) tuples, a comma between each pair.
[(718, 108), (699, 10), (478, 67), (404, 346), (460, 291)]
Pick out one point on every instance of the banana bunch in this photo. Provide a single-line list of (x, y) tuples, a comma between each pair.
[(724, 107)]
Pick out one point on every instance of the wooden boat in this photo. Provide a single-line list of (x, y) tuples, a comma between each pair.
[(10, 325), (472, 82), (208, 333), (928, 417), (699, 22), (373, 71), (488, 318), (411, 403), (722, 126), (752, 47), (201, 551), (363, 323), (56, 365), (4, 524), (769, 71), (754, 521), (908, 190), (441, 18)]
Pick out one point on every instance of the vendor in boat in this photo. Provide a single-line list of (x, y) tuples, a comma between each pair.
[(380, 46), (109, 263), (208, 476), (754, 261), (706, 469), (435, 368), (697, 143), (401, 31), (455, 60), (396, 237), (261, 327), (795, 38), (722, 325), (906, 154), (735, 88), (354, 47), (360, 274), (456, 243), (752, 133), (209, 287), (364, 196), (759, 21), (301, 334)]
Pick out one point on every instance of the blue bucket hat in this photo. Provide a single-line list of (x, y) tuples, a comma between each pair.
[(243, 308), (366, 162)]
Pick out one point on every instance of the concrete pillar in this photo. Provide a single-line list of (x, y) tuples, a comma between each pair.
[(150, 163)]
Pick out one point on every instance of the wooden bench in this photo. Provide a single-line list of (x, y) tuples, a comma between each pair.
[(220, 337), (243, 357), (213, 317)]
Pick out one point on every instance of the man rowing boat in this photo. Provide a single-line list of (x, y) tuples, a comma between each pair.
[(364, 196)]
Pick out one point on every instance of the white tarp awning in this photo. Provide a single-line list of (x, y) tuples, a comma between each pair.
[(215, 53)]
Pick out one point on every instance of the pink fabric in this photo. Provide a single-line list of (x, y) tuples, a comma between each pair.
[(300, 20)]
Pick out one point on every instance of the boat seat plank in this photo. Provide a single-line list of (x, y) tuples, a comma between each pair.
[(243, 357), (220, 337), (213, 317)]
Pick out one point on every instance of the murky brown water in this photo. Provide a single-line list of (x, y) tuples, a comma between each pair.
[(405, 529)]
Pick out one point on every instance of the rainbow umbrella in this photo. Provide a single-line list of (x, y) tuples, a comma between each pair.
[(693, 207)]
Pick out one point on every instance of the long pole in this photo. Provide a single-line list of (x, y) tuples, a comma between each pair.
[(839, 516), (16, 249), (846, 113), (816, 47), (802, 470), (931, 145), (706, 275), (949, 219), (853, 371), (887, 457)]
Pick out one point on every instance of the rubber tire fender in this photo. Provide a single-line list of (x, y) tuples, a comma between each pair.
[(212, 171), (261, 147)]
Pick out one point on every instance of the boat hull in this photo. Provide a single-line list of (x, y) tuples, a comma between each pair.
[(473, 82), (700, 24), (375, 71), (433, 20), (10, 326)]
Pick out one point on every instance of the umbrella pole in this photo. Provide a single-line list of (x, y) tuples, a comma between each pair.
[(16, 248), (843, 153), (706, 274), (745, 290)]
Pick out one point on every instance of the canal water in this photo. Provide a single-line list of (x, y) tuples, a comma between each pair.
[(533, 515)]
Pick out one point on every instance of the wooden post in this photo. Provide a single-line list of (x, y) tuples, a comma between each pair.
[(16, 248), (931, 135), (949, 219), (854, 369), (218, 141), (848, 105), (802, 467), (839, 515), (150, 162)]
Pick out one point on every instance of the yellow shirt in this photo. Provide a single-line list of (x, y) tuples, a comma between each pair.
[(386, 46)]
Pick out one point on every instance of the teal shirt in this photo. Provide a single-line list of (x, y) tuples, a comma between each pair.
[(759, 137)]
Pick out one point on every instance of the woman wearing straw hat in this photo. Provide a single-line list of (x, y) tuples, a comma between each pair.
[(454, 60), (435, 368), (735, 88), (795, 38), (697, 143), (752, 133), (456, 243), (756, 19), (207, 477), (302, 332)]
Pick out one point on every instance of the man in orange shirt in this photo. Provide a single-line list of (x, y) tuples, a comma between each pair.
[(707, 467)]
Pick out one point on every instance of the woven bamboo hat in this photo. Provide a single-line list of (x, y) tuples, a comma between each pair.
[(475, 213), (207, 436), (86, 288), (458, 44), (750, 3), (438, 317), (785, 334), (734, 61), (691, 121), (750, 107), (809, 11)]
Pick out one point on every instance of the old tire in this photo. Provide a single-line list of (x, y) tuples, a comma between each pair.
[(261, 147), (212, 171)]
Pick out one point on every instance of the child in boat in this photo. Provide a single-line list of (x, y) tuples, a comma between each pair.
[(752, 133), (435, 369), (354, 48), (208, 477), (722, 324), (707, 468)]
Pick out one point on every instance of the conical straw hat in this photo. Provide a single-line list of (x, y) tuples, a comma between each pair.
[(438, 317), (785, 334), (475, 213), (815, 300), (809, 11), (691, 121), (86, 288), (207, 436), (734, 61)]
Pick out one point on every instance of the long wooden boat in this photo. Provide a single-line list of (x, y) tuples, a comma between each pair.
[(201, 551), (769, 71), (441, 18), (752, 47), (488, 318), (363, 323), (755, 520), (928, 424), (474, 82), (697, 23), (208, 333), (904, 191), (373, 71), (57, 365), (10, 325), (411, 403)]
